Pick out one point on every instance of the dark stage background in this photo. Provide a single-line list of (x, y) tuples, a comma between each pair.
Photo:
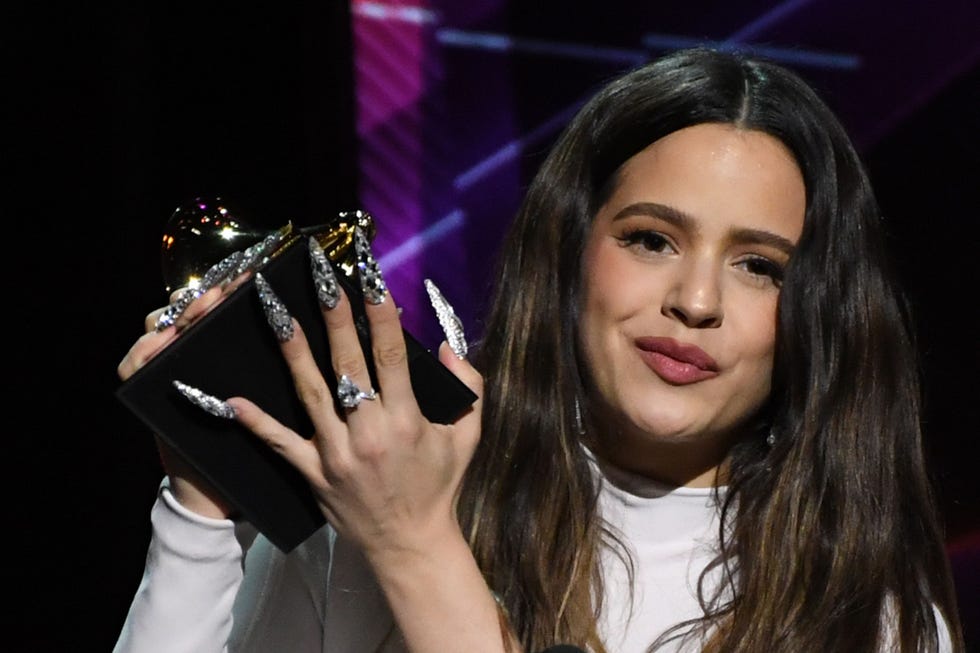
[(431, 115)]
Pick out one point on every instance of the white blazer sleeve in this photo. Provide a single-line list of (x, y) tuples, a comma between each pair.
[(192, 574)]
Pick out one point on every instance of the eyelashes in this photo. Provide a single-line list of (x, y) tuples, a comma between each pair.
[(762, 267), (649, 241)]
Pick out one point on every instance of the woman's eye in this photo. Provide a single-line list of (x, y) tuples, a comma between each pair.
[(649, 240), (763, 267)]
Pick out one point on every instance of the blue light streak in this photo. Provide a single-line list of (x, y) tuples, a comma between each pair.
[(787, 55), (513, 149), (450, 37), (766, 20), (415, 245), (504, 43)]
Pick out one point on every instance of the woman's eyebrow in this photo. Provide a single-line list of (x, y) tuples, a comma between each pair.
[(655, 210), (685, 221), (762, 237)]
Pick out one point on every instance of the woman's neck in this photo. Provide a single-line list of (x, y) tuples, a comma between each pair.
[(679, 463)]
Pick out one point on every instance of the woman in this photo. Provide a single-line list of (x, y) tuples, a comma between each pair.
[(698, 424)]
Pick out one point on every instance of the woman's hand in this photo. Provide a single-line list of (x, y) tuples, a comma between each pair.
[(187, 486), (382, 474), (385, 477), (187, 305), (155, 340)]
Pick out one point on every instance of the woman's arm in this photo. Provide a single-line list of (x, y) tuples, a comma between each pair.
[(385, 478), (192, 574), (194, 562)]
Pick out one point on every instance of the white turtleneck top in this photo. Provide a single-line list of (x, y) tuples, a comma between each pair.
[(671, 534), (212, 585)]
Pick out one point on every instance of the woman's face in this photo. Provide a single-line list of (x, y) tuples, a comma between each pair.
[(681, 276)]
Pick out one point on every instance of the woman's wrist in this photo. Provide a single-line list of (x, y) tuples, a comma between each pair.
[(191, 497), (439, 597)]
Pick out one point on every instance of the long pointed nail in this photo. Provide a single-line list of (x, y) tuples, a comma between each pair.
[(451, 325), (275, 311), (210, 403), (372, 283), (221, 271), (257, 255), (177, 307), (327, 289)]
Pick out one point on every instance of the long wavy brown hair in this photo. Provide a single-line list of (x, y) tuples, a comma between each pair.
[(836, 526)]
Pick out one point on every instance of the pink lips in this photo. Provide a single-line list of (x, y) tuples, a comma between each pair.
[(676, 363)]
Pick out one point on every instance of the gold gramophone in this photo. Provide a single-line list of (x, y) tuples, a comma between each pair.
[(205, 230)]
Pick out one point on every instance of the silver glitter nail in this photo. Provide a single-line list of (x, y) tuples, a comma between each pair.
[(221, 271), (177, 307), (451, 325), (211, 404), (275, 311), (327, 289), (218, 273), (372, 283), (257, 255)]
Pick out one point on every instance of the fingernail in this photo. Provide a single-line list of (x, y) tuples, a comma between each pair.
[(257, 255), (275, 311), (327, 289), (452, 326), (221, 271), (211, 404), (177, 307), (372, 283), (218, 273)]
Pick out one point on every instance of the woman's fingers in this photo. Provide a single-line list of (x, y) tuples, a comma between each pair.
[(312, 389), (186, 306), (462, 369), (200, 307), (376, 465), (152, 318), (145, 348), (157, 337), (346, 355), (297, 450), (469, 421), (387, 339), (193, 310), (390, 355)]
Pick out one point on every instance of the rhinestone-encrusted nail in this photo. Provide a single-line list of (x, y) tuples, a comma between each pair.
[(257, 255), (210, 403), (372, 283), (177, 307), (275, 311), (220, 271), (327, 288), (451, 325)]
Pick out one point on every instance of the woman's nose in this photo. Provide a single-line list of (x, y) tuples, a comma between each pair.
[(694, 297)]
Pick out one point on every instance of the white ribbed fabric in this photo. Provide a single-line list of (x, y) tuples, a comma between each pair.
[(671, 534)]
